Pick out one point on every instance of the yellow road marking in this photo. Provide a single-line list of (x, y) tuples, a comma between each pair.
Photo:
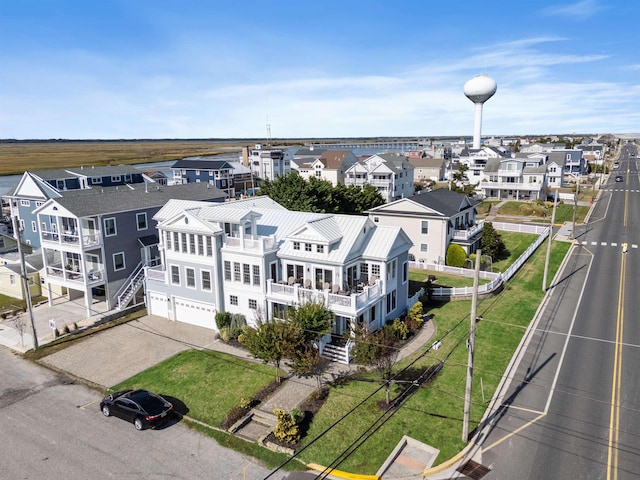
[(515, 432), (614, 418)]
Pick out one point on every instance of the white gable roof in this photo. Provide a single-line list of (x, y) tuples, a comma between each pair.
[(32, 186)]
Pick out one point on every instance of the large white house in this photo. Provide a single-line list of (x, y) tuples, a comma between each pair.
[(256, 258), (390, 173)]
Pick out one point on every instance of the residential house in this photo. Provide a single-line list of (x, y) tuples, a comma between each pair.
[(428, 169), (256, 258), (96, 244), (218, 173), (476, 160), (7, 243), (432, 221), (555, 171), (515, 178), (158, 177), (11, 279), (331, 165), (390, 173), (593, 153), (36, 187), (574, 163), (80, 177), (266, 162), (244, 182)]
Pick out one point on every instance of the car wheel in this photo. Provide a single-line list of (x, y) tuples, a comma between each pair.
[(138, 423), (105, 410)]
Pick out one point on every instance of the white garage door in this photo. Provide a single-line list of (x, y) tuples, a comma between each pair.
[(195, 313), (158, 304)]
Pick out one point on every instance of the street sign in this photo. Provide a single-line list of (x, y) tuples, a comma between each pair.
[(52, 323)]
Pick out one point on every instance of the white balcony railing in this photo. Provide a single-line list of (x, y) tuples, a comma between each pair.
[(340, 302), (511, 186), (467, 233), (89, 238), (93, 277), (259, 244), (156, 274)]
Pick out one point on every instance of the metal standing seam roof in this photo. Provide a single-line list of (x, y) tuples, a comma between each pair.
[(382, 242), (324, 229), (349, 235)]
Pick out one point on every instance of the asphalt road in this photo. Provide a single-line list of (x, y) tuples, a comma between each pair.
[(571, 409), (53, 429)]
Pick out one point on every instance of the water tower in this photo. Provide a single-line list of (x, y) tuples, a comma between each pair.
[(479, 89)]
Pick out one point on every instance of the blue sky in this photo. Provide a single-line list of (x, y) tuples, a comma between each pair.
[(111, 69)]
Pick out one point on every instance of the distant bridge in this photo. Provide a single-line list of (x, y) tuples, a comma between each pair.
[(388, 145)]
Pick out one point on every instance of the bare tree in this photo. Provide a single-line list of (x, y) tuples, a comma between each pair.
[(20, 324)]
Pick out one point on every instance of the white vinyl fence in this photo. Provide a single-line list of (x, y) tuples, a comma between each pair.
[(496, 278)]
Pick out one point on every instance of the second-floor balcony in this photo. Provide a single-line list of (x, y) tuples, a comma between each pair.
[(258, 244), (381, 182), (347, 303), (86, 238), (512, 186), (468, 233), (74, 275), (156, 274), (358, 181)]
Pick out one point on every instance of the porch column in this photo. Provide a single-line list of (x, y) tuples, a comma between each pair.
[(88, 299), (49, 295)]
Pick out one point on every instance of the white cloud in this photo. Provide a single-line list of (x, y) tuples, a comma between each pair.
[(580, 10)]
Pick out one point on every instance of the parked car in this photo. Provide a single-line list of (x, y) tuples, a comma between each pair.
[(616, 165), (619, 178), (142, 407)]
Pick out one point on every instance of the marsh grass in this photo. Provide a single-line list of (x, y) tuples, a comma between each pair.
[(17, 157)]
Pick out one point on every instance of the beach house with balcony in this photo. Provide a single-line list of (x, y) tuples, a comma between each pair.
[(218, 173), (36, 187), (523, 178), (390, 173), (331, 165), (256, 258), (95, 242), (432, 221)]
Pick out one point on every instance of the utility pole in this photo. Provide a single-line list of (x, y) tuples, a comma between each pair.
[(546, 263), (25, 279), (575, 207), (472, 341)]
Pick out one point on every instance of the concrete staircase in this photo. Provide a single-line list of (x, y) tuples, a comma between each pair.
[(256, 425)]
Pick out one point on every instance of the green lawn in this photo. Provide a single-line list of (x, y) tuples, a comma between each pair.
[(434, 414), (210, 383), (542, 212), (6, 301)]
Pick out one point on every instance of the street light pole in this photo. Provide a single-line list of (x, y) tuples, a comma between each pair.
[(25, 279)]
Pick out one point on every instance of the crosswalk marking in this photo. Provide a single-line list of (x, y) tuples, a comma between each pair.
[(605, 244)]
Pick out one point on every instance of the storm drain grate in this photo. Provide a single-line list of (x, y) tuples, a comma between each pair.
[(473, 470)]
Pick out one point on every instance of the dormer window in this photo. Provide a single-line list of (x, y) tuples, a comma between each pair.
[(320, 248), (296, 245), (308, 247)]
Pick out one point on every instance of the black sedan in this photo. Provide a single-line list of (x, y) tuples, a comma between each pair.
[(145, 409)]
